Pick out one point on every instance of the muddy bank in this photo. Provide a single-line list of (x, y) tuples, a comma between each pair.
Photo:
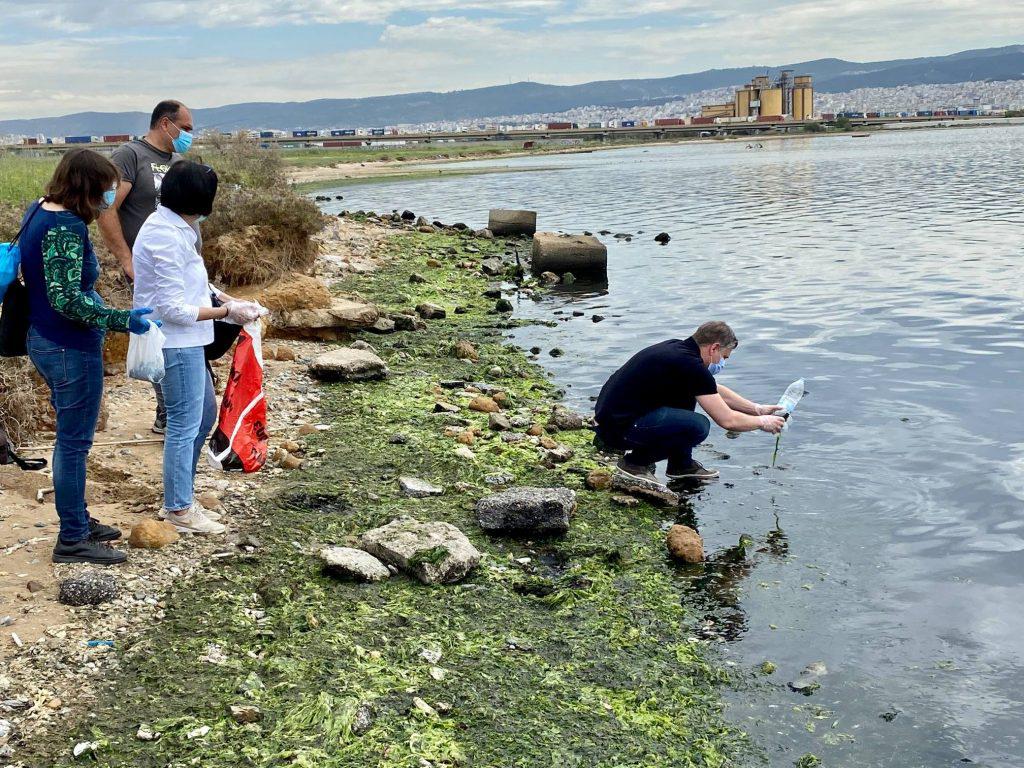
[(573, 648)]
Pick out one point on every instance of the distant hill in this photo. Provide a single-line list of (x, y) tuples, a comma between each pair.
[(830, 75)]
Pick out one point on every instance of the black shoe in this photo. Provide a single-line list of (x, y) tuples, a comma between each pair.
[(87, 551), (695, 471), (643, 472), (160, 424), (100, 532)]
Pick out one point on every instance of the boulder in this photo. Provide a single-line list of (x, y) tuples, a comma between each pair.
[(685, 544), (407, 322), (89, 588), (484, 404), (653, 492), (565, 419), (434, 552), (429, 311), (347, 364), (152, 534), (527, 510), (578, 254), (354, 564), (504, 222), (328, 323), (418, 489)]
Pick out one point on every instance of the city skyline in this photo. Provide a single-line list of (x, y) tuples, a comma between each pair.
[(224, 51)]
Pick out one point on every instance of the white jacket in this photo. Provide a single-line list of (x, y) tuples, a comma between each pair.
[(171, 279)]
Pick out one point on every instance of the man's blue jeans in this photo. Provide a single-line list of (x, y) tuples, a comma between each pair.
[(191, 413), (666, 433), (75, 379)]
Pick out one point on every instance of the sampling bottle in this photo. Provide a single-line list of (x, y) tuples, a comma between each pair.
[(791, 397)]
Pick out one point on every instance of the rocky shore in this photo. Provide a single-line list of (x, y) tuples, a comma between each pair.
[(442, 575)]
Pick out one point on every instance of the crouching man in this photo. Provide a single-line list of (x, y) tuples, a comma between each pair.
[(647, 406)]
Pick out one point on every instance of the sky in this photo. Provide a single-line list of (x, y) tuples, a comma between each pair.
[(64, 56)]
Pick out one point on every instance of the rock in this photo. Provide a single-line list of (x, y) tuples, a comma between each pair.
[(347, 364), (434, 552), (550, 278), (466, 438), (556, 352), (440, 407), (289, 445), (511, 438), (307, 429), (152, 534), (548, 443), (494, 292), (421, 706), (398, 439), (492, 266), (421, 221), (685, 544), (654, 492), (34, 586), (500, 478), (84, 748), (767, 668), (408, 216), (579, 254), (558, 455), (415, 277), (599, 480), (284, 354), (210, 500), (430, 311), (495, 371), (418, 489), (434, 263), (353, 564), (245, 713), (503, 305), (326, 324), (383, 325), (287, 461), (146, 733), (626, 501), (499, 422), (484, 404), (363, 345), (407, 323), (597, 318), (294, 291), (807, 683), (535, 430), (527, 510), (465, 350), (662, 238), (505, 222), (364, 719), (463, 452), (486, 234), (88, 588), (565, 419)]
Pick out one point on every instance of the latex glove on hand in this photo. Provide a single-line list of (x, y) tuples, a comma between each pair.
[(242, 312), (137, 322), (767, 410), (772, 424)]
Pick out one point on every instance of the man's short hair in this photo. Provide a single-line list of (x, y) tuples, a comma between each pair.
[(188, 189), (715, 331), (168, 108)]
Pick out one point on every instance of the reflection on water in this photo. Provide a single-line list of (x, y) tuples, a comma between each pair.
[(887, 273)]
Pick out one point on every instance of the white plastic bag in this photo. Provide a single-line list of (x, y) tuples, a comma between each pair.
[(146, 355)]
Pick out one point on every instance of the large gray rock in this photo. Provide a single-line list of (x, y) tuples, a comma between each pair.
[(565, 419), (348, 364), (503, 222), (89, 588), (433, 552), (331, 323), (579, 254), (653, 492), (353, 564), (527, 510), (418, 489)]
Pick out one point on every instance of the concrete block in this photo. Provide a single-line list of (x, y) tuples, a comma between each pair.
[(579, 254), (504, 222)]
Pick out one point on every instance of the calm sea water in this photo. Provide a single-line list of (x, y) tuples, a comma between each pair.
[(887, 272)]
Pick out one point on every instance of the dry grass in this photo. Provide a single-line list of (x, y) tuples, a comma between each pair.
[(21, 401)]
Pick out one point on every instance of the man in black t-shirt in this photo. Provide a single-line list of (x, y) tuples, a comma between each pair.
[(647, 406)]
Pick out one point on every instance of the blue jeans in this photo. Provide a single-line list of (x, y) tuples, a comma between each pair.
[(191, 414), (666, 433), (75, 379)]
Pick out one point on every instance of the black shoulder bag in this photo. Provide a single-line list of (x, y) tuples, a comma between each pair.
[(14, 320), (8, 456)]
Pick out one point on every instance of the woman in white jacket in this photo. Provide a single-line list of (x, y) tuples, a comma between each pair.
[(171, 278)]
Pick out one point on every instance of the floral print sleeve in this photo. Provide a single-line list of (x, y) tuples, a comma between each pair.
[(63, 252)]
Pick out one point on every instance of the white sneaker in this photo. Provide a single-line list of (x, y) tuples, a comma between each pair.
[(192, 521), (210, 514)]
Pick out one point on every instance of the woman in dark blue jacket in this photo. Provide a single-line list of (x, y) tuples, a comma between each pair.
[(68, 320)]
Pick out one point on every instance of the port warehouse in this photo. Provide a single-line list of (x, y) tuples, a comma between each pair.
[(369, 137)]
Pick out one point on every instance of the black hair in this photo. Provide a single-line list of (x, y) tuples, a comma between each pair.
[(167, 108), (188, 189)]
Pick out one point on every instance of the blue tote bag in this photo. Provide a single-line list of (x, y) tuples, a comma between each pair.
[(10, 256)]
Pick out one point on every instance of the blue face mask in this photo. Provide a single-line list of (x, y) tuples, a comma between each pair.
[(716, 368), (108, 198), (182, 142), (200, 220)]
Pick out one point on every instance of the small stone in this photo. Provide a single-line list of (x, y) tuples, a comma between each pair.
[(146, 733), (685, 544), (599, 480), (550, 278), (438, 673), (55, 703), (500, 478), (383, 325), (626, 501), (290, 462), (198, 733), (652, 491), (415, 277), (416, 488), (662, 238), (535, 431), (500, 398), (503, 305), (511, 438), (499, 422), (442, 407), (430, 311), (84, 748), (597, 318), (34, 586), (565, 419), (556, 352), (464, 350), (527, 510), (558, 455), (495, 371), (152, 534), (434, 262), (307, 429), (405, 322), (284, 354), (464, 452), (568, 278), (484, 404), (245, 713), (289, 445), (408, 216), (211, 500), (88, 588), (767, 668), (398, 439), (423, 707), (547, 443), (466, 438), (363, 720)]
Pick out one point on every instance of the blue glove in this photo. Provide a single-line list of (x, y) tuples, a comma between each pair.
[(137, 323)]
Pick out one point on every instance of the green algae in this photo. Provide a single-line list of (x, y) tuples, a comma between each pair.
[(571, 651)]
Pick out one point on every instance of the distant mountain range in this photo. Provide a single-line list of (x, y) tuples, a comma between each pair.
[(830, 75)]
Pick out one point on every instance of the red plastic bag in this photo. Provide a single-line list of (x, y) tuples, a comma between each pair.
[(239, 444)]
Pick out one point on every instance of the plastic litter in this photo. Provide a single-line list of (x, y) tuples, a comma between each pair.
[(788, 403), (99, 643), (239, 443), (146, 355)]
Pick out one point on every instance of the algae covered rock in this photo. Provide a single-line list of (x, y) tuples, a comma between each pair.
[(484, 404), (653, 492), (685, 544), (464, 350), (599, 480), (152, 534), (89, 588), (347, 364), (433, 552), (353, 564), (565, 419), (527, 510)]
